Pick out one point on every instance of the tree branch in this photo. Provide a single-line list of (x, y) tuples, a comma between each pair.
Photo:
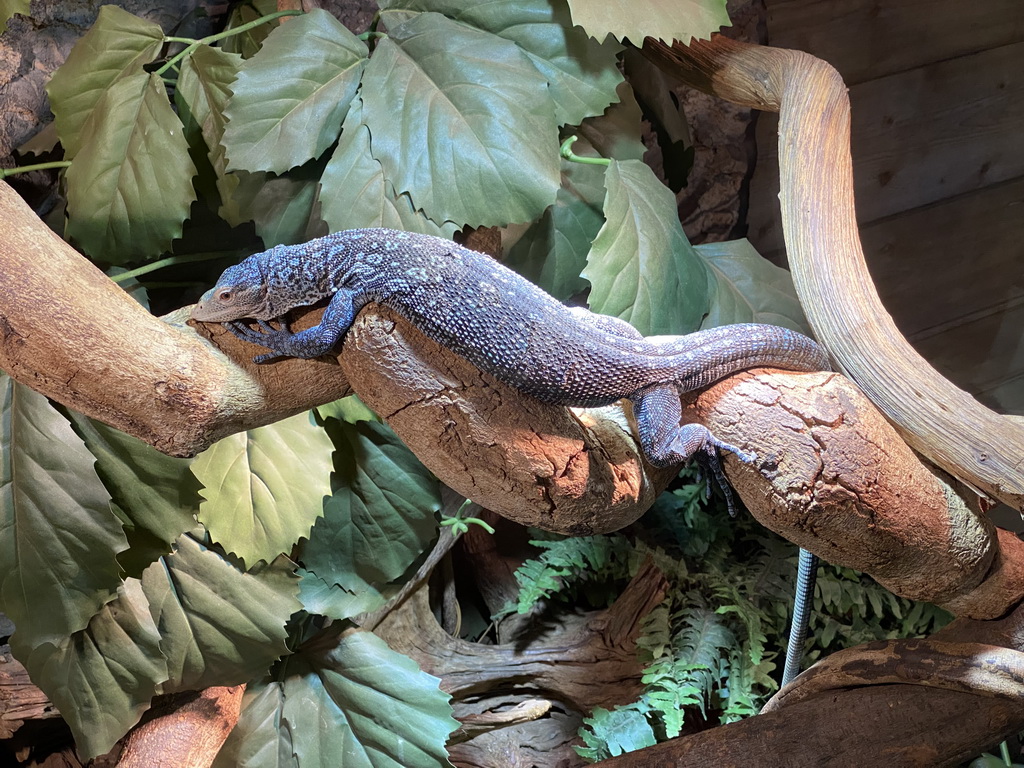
[(819, 221)]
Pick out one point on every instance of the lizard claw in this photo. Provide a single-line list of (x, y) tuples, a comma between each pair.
[(267, 336), (710, 463)]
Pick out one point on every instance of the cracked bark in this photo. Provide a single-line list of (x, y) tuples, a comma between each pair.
[(71, 334), (557, 675)]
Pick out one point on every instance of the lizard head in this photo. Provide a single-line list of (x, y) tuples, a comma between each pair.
[(241, 292)]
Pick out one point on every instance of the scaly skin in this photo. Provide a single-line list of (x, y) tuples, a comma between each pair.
[(507, 326), (501, 323)]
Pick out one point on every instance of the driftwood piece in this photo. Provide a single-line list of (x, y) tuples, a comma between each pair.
[(938, 419), (69, 332), (183, 730), (552, 676), (833, 476), (892, 725), (590, 665), (20, 699)]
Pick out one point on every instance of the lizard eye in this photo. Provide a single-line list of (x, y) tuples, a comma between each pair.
[(225, 296)]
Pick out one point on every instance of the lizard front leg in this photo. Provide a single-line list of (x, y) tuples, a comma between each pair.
[(309, 343), (667, 442)]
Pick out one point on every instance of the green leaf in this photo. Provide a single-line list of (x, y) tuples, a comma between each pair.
[(349, 699), (333, 601), (641, 266), (615, 134), (259, 739), (264, 488), (567, 562), (354, 193), (218, 626), (581, 73), (380, 518), (350, 409), (10, 7), (58, 538), (462, 121), (611, 733), (666, 20), (157, 494), (291, 97), (130, 186), (201, 95), (553, 252), (747, 288), (344, 699), (103, 677), (280, 207), (248, 42), (118, 44)]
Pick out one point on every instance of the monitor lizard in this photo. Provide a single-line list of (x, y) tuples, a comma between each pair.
[(504, 325)]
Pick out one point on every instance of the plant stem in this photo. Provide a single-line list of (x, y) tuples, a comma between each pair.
[(5, 172), (193, 44), (168, 262), (566, 151)]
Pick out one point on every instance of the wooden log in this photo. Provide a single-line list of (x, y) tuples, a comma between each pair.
[(941, 421)]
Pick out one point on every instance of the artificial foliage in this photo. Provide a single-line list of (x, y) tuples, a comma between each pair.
[(710, 648), (130, 574)]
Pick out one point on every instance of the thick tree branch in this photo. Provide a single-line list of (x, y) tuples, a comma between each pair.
[(184, 730), (819, 221)]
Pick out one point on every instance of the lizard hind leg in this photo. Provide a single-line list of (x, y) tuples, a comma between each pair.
[(667, 442)]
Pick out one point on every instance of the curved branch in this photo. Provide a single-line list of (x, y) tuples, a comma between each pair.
[(977, 668), (819, 222), (185, 730)]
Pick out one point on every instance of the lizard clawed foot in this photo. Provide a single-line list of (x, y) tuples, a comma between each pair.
[(268, 336), (709, 463)]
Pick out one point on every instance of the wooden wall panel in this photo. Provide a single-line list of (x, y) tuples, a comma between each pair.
[(867, 39), (917, 137), (950, 261), (984, 356)]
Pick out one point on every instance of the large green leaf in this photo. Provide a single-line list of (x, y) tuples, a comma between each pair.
[(747, 288), (103, 677), (662, 19), (156, 494), (58, 538), (553, 252), (319, 597), (350, 699), (349, 408), (344, 699), (264, 488), (259, 739), (280, 207), (130, 185), (581, 73), (611, 733), (218, 626), (248, 42), (201, 95), (462, 121), (380, 518), (354, 193), (641, 266), (118, 44), (616, 133), (291, 97)]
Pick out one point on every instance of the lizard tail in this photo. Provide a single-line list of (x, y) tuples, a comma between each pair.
[(702, 358), (807, 572)]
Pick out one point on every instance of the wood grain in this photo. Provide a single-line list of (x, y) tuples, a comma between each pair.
[(938, 419), (866, 39), (917, 137)]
